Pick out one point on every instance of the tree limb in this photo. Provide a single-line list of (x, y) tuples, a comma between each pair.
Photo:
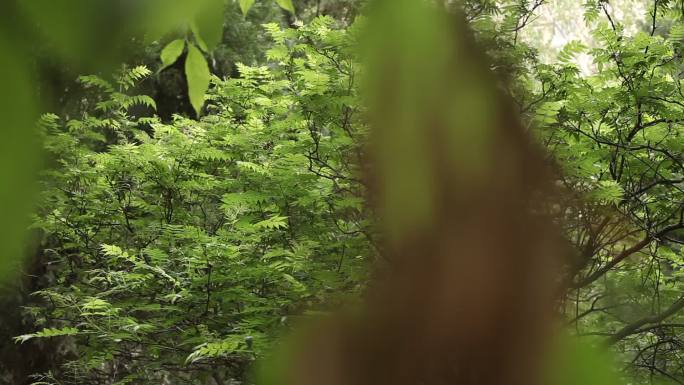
[(635, 326)]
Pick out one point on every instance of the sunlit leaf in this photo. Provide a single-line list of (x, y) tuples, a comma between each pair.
[(172, 52), (286, 4), (197, 73), (246, 5)]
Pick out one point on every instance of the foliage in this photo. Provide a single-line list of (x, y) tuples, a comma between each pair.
[(617, 135), (92, 36), (182, 248)]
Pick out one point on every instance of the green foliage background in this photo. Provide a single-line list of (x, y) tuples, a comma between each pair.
[(194, 204)]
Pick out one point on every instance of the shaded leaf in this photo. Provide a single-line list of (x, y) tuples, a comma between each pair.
[(208, 24)]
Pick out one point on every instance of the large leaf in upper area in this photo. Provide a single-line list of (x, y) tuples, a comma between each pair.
[(286, 4), (197, 74), (19, 157), (208, 24), (246, 5), (172, 52)]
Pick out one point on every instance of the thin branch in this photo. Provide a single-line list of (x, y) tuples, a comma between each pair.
[(626, 253), (635, 327)]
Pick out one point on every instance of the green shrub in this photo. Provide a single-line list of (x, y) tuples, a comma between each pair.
[(181, 248)]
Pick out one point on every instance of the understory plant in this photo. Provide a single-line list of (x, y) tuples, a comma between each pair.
[(179, 249)]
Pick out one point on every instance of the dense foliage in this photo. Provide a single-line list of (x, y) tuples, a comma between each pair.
[(178, 249), (618, 136), (175, 249)]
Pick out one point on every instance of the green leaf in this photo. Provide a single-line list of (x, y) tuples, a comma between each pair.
[(47, 332), (111, 250), (274, 222), (208, 24), (676, 32), (608, 191), (245, 6), (197, 73), (198, 37), (570, 51), (143, 100), (286, 4), (172, 52)]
